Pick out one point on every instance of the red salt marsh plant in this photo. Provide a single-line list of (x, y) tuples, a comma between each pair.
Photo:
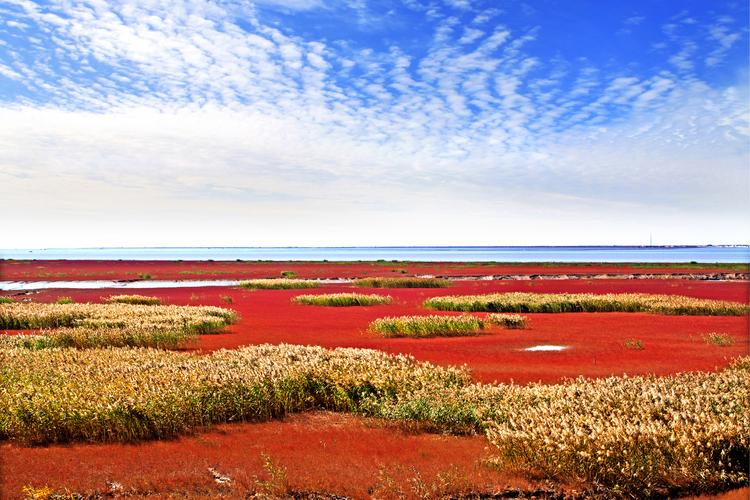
[(587, 302), (343, 299)]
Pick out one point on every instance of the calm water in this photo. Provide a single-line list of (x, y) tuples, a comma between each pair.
[(447, 254), (140, 284)]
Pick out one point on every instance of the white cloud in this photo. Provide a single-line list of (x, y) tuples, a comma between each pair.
[(721, 33), (270, 138)]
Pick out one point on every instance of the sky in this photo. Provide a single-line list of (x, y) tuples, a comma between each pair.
[(373, 122)]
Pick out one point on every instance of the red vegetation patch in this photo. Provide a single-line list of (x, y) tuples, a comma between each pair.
[(50, 270), (358, 457), (322, 452), (595, 341)]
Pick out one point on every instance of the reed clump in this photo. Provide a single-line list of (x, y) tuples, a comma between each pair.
[(511, 321), (133, 299), (520, 302), (637, 436), (278, 284), (629, 436), (427, 326), (87, 338), (343, 299), (129, 394), (632, 436), (94, 325), (405, 282)]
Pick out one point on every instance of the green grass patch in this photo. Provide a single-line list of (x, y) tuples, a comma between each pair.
[(405, 282), (278, 284), (65, 300), (133, 299), (6, 300), (343, 299), (587, 302)]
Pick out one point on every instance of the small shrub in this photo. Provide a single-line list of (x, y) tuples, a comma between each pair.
[(719, 339), (65, 300), (276, 484), (402, 282), (227, 299), (6, 300), (278, 284), (288, 274), (133, 299), (634, 344), (427, 326), (144, 276), (342, 299)]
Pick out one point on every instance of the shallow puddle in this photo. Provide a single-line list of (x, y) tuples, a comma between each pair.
[(546, 348)]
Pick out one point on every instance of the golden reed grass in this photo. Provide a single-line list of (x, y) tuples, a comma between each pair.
[(342, 299), (96, 325), (587, 302)]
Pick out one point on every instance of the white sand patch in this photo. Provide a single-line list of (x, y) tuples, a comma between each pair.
[(546, 348)]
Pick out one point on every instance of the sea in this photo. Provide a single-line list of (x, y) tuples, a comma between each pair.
[(703, 254)]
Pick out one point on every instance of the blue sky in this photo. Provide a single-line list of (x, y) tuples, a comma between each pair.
[(306, 122)]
